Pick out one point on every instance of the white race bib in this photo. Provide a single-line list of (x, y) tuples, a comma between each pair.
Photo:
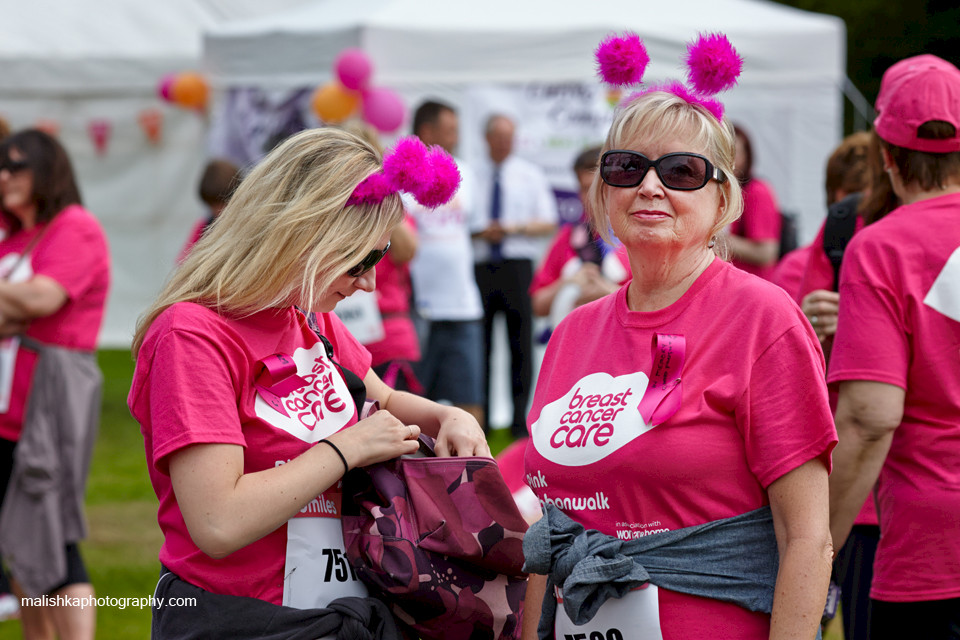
[(316, 570), (636, 616), (361, 315)]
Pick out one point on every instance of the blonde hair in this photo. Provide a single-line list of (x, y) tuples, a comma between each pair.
[(660, 114), (286, 235)]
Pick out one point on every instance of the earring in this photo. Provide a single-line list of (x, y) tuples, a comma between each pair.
[(713, 241)]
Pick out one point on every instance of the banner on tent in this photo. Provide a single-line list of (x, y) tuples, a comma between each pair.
[(555, 122)]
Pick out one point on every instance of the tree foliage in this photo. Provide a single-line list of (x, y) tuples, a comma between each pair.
[(880, 32)]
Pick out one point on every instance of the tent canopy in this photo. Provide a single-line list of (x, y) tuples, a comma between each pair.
[(415, 41), (52, 48)]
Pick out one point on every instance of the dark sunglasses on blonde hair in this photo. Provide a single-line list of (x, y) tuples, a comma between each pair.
[(13, 166), (679, 171), (368, 262)]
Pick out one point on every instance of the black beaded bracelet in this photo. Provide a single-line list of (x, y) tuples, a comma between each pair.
[(346, 467)]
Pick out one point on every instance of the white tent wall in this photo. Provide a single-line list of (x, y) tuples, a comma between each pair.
[(74, 62)]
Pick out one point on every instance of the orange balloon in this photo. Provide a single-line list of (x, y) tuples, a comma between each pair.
[(333, 103), (190, 90)]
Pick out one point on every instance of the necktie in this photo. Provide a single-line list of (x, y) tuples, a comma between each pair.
[(496, 249)]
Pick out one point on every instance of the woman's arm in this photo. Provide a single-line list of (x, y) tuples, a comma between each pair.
[(38, 297), (542, 299), (868, 413), (759, 252), (532, 604), (800, 506), (457, 432), (226, 509)]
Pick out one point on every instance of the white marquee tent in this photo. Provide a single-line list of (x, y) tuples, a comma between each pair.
[(72, 63), (481, 55)]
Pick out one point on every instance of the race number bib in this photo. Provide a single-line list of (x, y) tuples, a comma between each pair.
[(361, 315), (636, 616), (316, 569)]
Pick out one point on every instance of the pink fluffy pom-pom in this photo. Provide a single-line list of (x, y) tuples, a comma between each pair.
[(372, 190), (446, 180), (713, 64), (407, 166), (621, 60)]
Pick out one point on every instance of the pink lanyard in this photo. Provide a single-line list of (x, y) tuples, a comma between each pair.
[(662, 397)]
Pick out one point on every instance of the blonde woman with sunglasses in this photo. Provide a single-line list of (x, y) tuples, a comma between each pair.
[(251, 408)]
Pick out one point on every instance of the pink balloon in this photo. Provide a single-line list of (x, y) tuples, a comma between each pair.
[(354, 69), (384, 109), (166, 83)]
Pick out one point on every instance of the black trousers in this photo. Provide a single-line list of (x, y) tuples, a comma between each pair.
[(928, 620), (505, 288)]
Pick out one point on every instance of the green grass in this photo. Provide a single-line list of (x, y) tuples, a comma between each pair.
[(121, 550)]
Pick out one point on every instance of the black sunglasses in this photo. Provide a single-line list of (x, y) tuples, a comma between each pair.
[(679, 171), (369, 262), (13, 166)]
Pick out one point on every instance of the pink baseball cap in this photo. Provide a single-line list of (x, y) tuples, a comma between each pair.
[(914, 91)]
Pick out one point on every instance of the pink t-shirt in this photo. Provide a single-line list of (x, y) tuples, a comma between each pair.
[(560, 253), (400, 340), (900, 325), (754, 407), (788, 274), (760, 221), (74, 253), (194, 384)]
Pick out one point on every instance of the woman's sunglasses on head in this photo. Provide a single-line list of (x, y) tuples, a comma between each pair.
[(678, 171), (368, 262)]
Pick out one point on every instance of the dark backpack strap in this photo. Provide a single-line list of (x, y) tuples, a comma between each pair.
[(839, 228), (358, 390)]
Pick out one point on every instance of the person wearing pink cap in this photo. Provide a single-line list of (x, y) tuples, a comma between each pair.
[(895, 361)]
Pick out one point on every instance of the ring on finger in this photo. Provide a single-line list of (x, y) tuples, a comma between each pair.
[(814, 320), (410, 431)]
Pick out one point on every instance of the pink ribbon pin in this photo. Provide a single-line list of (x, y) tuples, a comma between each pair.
[(662, 397), (276, 378)]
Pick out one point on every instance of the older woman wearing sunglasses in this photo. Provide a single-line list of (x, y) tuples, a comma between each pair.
[(252, 410), (693, 395)]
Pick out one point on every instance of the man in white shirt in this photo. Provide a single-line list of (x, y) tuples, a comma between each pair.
[(516, 210), (444, 287)]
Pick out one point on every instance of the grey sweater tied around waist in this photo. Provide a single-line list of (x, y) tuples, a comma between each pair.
[(733, 559)]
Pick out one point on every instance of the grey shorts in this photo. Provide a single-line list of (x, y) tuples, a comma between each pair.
[(451, 368)]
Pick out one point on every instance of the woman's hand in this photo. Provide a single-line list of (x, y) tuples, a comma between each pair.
[(377, 438), (460, 435), (457, 432), (821, 308)]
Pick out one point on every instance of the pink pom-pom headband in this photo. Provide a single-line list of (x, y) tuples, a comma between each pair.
[(429, 175), (713, 65)]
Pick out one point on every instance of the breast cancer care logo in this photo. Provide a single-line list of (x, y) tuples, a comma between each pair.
[(320, 408), (944, 295), (596, 417)]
